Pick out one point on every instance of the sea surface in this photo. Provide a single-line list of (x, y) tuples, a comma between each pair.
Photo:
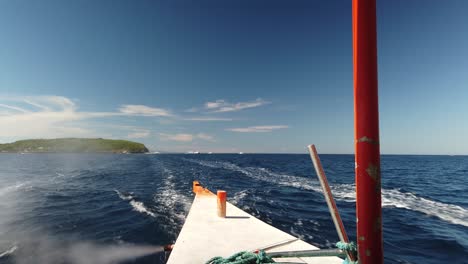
[(101, 208)]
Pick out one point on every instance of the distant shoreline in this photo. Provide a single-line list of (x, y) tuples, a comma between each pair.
[(73, 145)]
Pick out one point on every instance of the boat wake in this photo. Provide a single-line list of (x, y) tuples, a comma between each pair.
[(238, 196), (124, 196), (171, 198), (172, 202), (346, 192), (137, 206)]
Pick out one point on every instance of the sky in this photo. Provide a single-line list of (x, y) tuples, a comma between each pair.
[(230, 76)]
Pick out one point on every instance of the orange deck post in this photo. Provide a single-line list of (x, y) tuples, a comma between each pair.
[(221, 203)]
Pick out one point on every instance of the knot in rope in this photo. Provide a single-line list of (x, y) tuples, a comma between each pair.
[(243, 257), (351, 246), (346, 246)]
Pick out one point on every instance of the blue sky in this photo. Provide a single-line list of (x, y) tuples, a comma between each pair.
[(229, 76)]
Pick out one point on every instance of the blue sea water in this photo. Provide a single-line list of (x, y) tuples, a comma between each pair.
[(82, 208)]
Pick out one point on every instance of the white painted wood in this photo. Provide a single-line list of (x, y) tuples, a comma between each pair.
[(205, 235)]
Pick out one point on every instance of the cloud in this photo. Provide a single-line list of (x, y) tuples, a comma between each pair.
[(207, 119), (221, 106), (41, 123), (139, 134), (215, 104), (11, 107), (143, 110), (205, 137), (59, 101), (176, 137), (36, 104), (186, 137), (257, 129), (191, 110), (57, 116)]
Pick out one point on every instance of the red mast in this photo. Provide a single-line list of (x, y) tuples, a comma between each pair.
[(366, 129)]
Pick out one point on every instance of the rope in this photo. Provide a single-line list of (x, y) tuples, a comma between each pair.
[(246, 257), (348, 247), (243, 257)]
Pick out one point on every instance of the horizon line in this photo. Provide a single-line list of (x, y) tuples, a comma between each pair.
[(297, 153)]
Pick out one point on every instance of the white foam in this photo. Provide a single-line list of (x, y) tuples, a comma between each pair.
[(346, 192), (137, 206), (8, 252), (140, 207), (125, 197), (238, 196), (449, 212), (171, 198), (264, 174), (171, 202)]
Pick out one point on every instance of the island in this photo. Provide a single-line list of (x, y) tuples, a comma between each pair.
[(73, 145)]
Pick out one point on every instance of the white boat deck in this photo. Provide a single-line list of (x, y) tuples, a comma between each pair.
[(205, 235)]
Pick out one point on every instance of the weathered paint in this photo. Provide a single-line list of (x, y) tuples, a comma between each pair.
[(366, 121), (373, 171), (200, 190), (369, 140)]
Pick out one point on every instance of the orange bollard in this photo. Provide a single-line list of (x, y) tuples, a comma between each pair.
[(221, 203), (195, 186)]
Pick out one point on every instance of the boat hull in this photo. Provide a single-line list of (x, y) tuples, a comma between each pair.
[(205, 235)]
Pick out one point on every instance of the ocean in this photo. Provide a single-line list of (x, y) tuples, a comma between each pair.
[(102, 208)]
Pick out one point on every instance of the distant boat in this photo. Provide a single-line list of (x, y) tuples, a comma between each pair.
[(210, 152), (240, 153)]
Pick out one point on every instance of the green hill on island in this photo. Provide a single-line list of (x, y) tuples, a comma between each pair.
[(74, 145)]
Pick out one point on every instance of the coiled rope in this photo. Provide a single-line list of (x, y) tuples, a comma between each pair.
[(243, 257), (247, 257)]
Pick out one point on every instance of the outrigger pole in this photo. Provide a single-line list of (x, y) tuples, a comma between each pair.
[(340, 229), (366, 132)]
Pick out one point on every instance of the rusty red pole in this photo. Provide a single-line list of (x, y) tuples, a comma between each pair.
[(366, 125)]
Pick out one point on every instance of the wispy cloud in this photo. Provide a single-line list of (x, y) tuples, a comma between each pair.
[(215, 104), (257, 129), (176, 137), (207, 119), (139, 134), (143, 110), (14, 108), (220, 106), (182, 137), (205, 137), (43, 107), (57, 116), (41, 123), (191, 110)]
